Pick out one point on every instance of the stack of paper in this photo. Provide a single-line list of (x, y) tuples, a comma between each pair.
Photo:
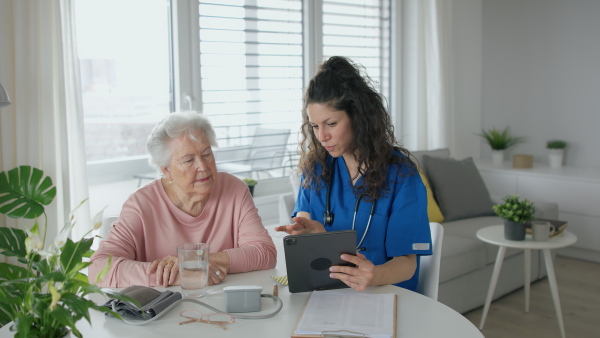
[(356, 313)]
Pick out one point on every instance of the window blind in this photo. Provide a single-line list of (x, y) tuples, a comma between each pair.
[(251, 78), (360, 30)]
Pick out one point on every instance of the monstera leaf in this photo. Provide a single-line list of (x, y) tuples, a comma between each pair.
[(24, 191), (12, 243)]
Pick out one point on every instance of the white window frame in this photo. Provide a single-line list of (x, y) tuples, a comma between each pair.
[(187, 86), (186, 53)]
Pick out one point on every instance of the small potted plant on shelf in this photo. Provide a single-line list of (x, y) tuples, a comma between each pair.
[(516, 213), (42, 292), (557, 150), (499, 141), (250, 183)]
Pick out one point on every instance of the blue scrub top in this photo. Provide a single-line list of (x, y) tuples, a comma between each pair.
[(399, 227)]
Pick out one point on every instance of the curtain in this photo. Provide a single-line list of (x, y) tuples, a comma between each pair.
[(425, 111), (43, 126)]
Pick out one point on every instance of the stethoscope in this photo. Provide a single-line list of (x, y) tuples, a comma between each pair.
[(328, 215)]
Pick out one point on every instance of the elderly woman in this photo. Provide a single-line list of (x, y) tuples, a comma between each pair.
[(191, 202)]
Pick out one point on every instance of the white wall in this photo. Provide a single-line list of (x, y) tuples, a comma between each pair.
[(466, 77), (541, 74)]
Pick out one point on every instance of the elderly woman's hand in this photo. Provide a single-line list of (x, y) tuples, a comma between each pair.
[(166, 269), (219, 267)]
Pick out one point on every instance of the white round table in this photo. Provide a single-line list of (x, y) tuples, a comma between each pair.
[(495, 235), (417, 315)]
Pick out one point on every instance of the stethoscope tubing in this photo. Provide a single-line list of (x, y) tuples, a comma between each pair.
[(358, 247), (328, 216)]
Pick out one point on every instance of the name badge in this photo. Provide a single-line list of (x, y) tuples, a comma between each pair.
[(420, 246)]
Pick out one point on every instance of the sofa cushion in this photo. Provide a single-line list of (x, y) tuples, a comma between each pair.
[(433, 210), (458, 188), (467, 228), (460, 256), (441, 153)]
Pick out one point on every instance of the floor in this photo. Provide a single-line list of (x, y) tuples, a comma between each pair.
[(579, 290)]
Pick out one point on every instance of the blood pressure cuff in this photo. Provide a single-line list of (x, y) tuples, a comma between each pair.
[(152, 302)]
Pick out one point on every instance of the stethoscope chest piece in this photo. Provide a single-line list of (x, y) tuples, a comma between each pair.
[(327, 217)]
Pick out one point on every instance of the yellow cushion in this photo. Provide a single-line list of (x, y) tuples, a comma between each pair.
[(433, 210)]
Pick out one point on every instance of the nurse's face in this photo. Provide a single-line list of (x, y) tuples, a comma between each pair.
[(332, 128)]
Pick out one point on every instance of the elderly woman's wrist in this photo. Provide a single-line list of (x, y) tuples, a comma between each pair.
[(222, 260)]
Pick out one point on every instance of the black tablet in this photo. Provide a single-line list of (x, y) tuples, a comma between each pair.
[(308, 258)]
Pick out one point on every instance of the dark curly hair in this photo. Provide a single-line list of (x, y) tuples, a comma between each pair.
[(340, 85)]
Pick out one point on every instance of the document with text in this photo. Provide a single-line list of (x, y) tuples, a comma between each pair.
[(355, 313)]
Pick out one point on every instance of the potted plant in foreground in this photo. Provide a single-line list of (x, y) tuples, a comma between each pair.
[(499, 141), (516, 213), (557, 149), (43, 295), (250, 183)]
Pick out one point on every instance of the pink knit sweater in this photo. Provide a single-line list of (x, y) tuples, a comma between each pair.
[(150, 227)]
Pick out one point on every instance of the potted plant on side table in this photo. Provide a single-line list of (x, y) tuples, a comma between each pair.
[(499, 141), (250, 183), (557, 149), (516, 213), (44, 292)]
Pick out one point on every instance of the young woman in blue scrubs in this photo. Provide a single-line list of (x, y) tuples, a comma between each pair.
[(349, 152)]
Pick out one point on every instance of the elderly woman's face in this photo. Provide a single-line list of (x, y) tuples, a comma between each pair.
[(192, 169)]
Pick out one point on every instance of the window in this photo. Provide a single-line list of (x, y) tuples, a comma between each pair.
[(251, 73), (360, 30), (244, 63), (125, 79)]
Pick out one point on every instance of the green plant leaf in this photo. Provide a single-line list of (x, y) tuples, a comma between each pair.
[(556, 144), (515, 210), (37, 308), (6, 313), (23, 325), (66, 318), (10, 272), (500, 140), (24, 191), (83, 278), (104, 270), (57, 276), (10, 298), (89, 253), (12, 294), (43, 267), (106, 309), (78, 305), (90, 288), (12, 242), (250, 182), (72, 254)]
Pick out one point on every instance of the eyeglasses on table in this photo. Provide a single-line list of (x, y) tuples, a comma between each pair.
[(217, 318)]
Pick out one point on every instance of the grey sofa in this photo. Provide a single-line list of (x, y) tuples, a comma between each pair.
[(467, 262)]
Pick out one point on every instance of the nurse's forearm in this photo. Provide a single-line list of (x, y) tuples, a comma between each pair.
[(303, 214), (396, 270)]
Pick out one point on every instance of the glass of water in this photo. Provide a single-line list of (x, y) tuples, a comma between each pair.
[(193, 269)]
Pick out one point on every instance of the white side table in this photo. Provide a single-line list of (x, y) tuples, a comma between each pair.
[(495, 235)]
